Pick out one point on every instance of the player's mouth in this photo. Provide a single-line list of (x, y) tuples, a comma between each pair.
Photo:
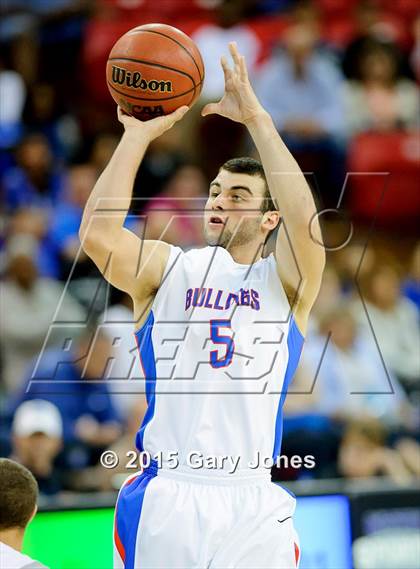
[(215, 220)]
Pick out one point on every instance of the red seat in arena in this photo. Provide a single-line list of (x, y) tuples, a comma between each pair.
[(384, 177), (332, 8), (147, 11), (407, 9)]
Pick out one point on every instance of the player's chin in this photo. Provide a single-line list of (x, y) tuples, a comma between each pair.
[(214, 236)]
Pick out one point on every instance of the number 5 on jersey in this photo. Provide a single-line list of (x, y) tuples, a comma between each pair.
[(222, 357)]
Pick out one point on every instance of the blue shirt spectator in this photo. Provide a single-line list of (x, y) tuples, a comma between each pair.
[(300, 88), (351, 380), (411, 285), (33, 182), (73, 382), (411, 290), (62, 243)]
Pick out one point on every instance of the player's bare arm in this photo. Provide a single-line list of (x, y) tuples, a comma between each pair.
[(300, 264), (126, 261)]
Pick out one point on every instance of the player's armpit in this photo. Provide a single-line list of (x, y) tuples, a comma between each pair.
[(300, 266), (301, 306), (130, 264)]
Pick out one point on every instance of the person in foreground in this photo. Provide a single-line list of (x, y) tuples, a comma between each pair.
[(220, 331), (18, 499)]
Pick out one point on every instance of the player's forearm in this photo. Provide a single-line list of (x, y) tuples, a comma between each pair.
[(108, 204), (286, 181), (293, 197)]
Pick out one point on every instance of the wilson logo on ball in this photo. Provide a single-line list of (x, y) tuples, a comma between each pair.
[(122, 77)]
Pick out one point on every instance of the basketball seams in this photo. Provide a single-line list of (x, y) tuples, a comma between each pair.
[(129, 96), (193, 95), (138, 31)]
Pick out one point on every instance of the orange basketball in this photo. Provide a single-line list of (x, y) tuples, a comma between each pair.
[(154, 69)]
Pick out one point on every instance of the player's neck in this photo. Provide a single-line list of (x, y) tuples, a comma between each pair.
[(13, 537), (246, 254)]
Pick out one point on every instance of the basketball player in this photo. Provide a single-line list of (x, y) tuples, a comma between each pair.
[(18, 506), (218, 343)]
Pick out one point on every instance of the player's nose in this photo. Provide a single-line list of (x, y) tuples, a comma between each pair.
[(218, 202)]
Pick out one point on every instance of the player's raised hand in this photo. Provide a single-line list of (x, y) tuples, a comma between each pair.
[(239, 102), (151, 129)]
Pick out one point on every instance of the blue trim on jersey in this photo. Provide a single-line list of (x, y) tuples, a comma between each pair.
[(295, 341), (286, 490), (129, 506), (147, 358)]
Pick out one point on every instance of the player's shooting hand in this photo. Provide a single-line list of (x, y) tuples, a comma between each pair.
[(239, 102), (151, 129)]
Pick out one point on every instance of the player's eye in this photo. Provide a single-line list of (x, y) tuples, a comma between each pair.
[(214, 194), (236, 197)]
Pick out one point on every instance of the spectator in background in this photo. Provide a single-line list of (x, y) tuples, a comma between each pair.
[(330, 294), (411, 285), (175, 216), (379, 99), (212, 40), (103, 148), (353, 261), (409, 450), (394, 322), (19, 41), (62, 242), (12, 97), (29, 305), (268, 7), (63, 235), (34, 222), (28, 221), (363, 454), (415, 54), (373, 21), (102, 479), (37, 439), (35, 181), (43, 114), (164, 155), (300, 86), (18, 498), (351, 380), (117, 323), (73, 379), (306, 430)]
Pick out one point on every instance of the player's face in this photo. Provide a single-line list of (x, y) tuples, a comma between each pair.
[(232, 214)]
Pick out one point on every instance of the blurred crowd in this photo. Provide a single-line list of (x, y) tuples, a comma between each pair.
[(340, 80)]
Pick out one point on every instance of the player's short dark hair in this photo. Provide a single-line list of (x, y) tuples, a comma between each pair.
[(18, 494), (252, 167)]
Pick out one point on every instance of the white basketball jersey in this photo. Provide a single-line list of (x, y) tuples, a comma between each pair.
[(218, 350)]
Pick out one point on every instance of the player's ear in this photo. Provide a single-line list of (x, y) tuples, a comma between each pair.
[(271, 219), (33, 513)]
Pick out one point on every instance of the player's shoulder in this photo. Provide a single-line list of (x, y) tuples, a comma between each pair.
[(14, 559)]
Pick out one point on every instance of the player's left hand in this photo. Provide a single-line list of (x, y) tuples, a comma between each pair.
[(239, 102)]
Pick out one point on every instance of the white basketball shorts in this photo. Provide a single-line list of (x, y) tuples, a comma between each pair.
[(169, 519)]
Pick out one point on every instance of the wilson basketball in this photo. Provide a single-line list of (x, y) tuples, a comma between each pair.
[(154, 69)]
